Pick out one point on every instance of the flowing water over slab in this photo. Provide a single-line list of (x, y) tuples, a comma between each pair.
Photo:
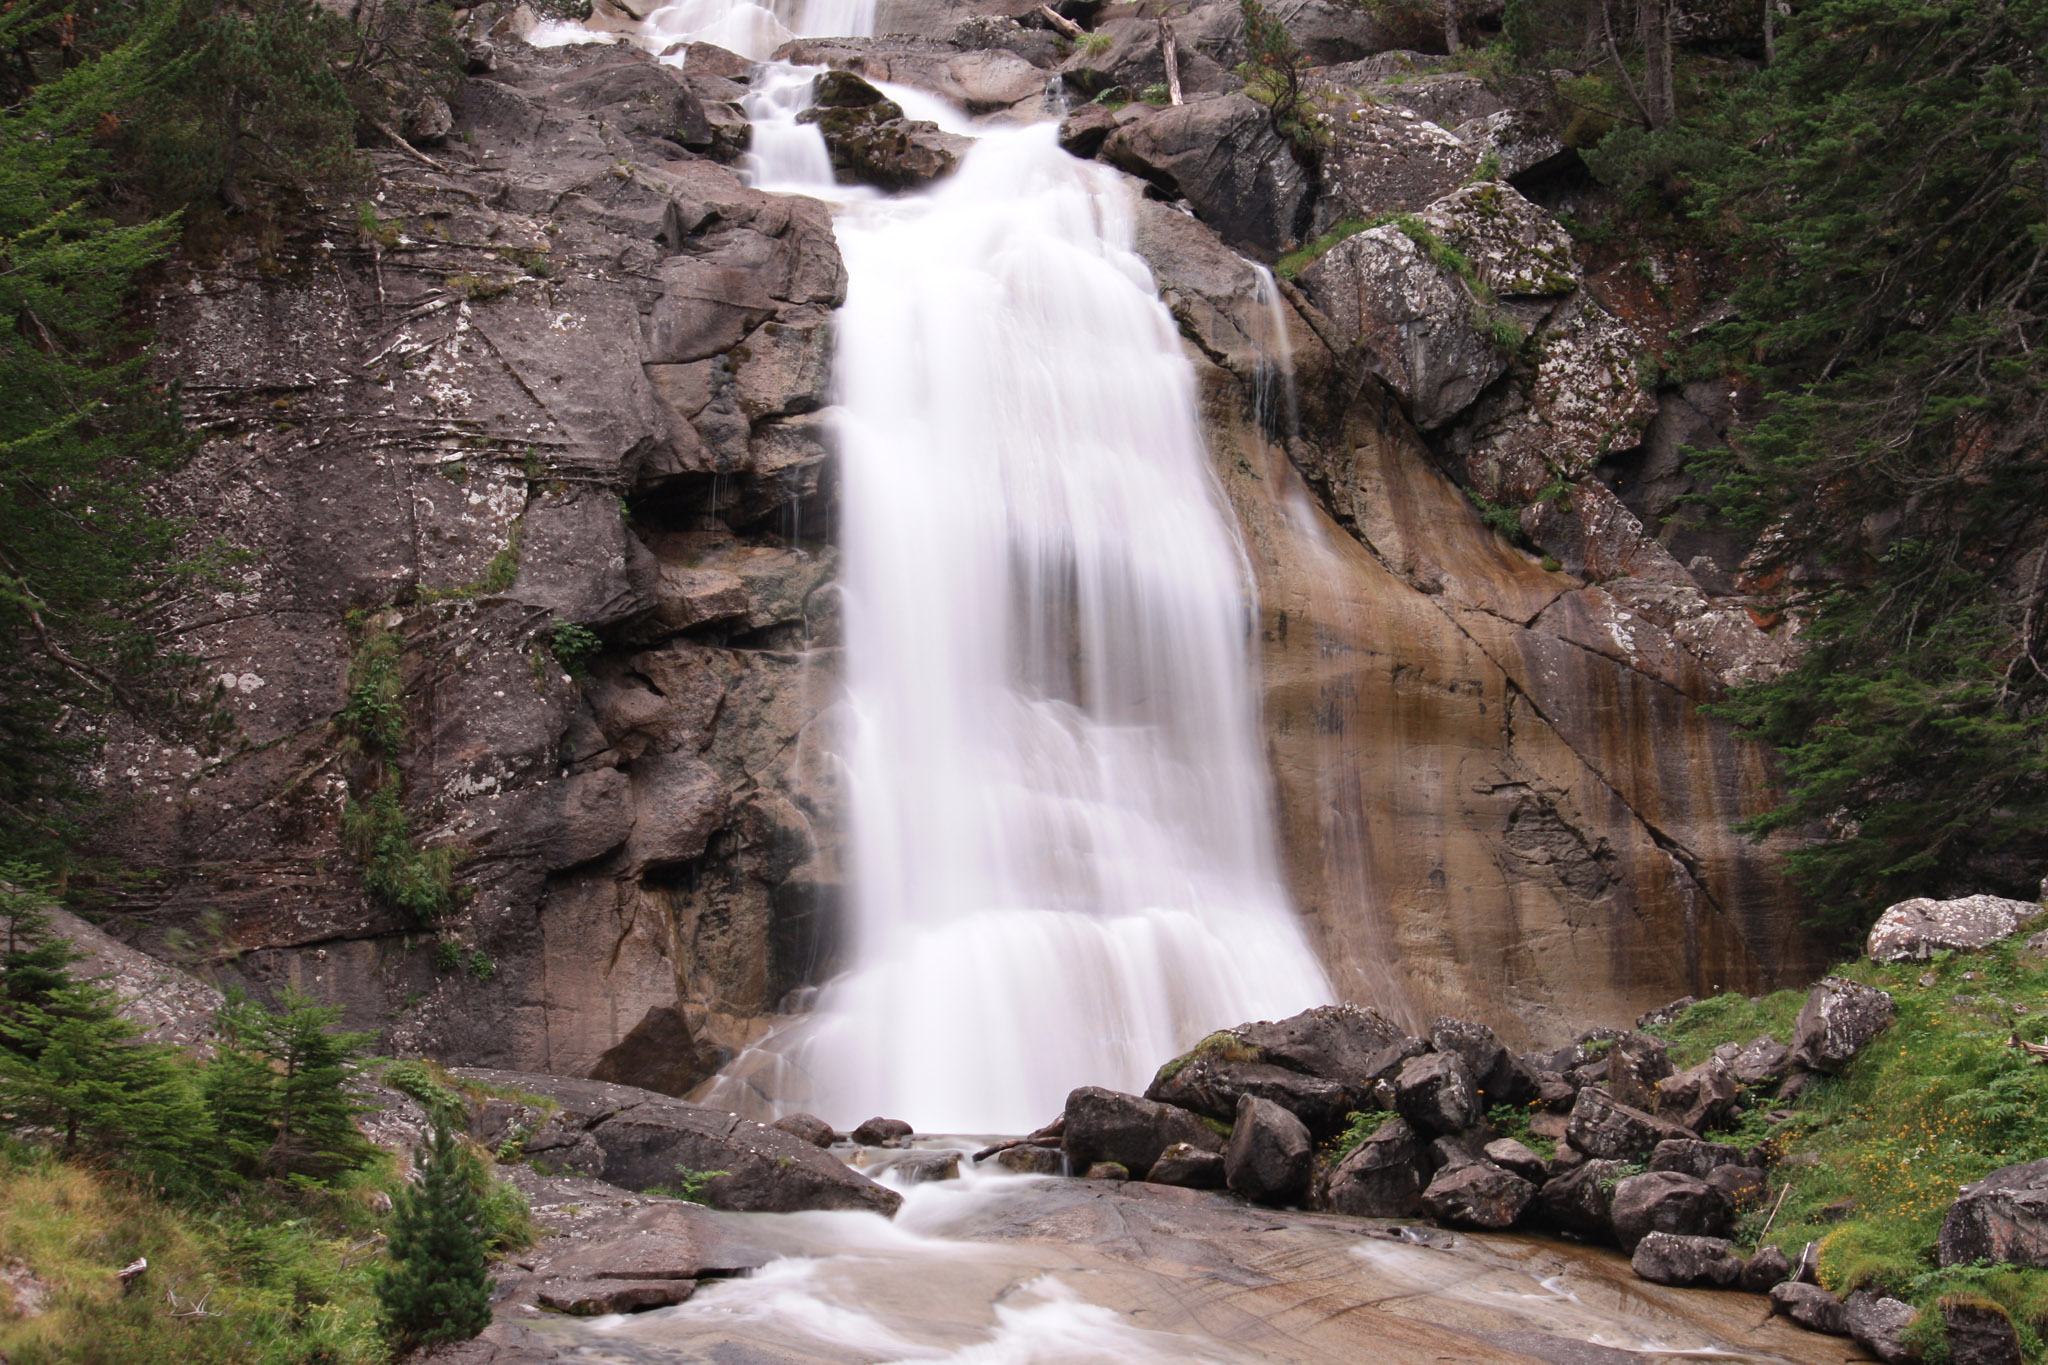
[(1004, 1270)]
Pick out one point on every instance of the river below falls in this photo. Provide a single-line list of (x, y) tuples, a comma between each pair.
[(1014, 1270)]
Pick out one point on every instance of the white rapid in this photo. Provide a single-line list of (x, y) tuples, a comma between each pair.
[(754, 30), (1061, 840)]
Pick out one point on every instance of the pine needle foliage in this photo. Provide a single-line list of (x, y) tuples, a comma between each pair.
[(437, 1289)]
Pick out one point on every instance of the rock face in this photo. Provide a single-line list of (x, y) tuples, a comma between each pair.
[(2001, 1218), (637, 1139), (1838, 1021), (1915, 930), (1223, 157)]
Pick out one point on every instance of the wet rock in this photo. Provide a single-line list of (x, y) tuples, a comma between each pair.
[(1434, 1092), (2002, 1218), (1690, 1156), (1665, 1201), (1031, 1160), (880, 1132), (1839, 1019), (1083, 132), (808, 1128), (1915, 930), (594, 1298), (876, 145), (919, 1168), (1383, 1177), (1979, 1333), (1516, 1158), (1188, 1166), (1107, 1125), (1879, 1323), (1810, 1306), (1477, 1194), (1699, 1097), (1635, 1065), (646, 1138), (1223, 157), (1669, 1258), (1107, 1170), (1268, 1157), (1601, 1127), (1580, 1201), (1767, 1268)]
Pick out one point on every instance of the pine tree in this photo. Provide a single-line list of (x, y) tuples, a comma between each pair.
[(437, 1288), (278, 1089)]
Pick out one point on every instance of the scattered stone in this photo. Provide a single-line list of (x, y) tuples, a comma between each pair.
[(1699, 1097), (1108, 1170), (1810, 1306), (1604, 1128), (1188, 1166), (1979, 1333), (23, 1293), (1664, 1016), (1767, 1268), (1477, 1194), (1383, 1177), (1879, 1324), (1635, 1065), (1839, 1020), (1029, 1160), (2002, 1218), (1665, 1201), (1915, 930), (1761, 1062), (1691, 1156), (1269, 1154), (1580, 1201), (1669, 1258), (1516, 1158), (1434, 1092), (595, 1298), (808, 1127), (1108, 1125), (881, 1132)]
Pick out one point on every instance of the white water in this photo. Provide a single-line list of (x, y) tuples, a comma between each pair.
[(755, 30), (1062, 855)]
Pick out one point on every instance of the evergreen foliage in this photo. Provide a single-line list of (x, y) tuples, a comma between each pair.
[(437, 1289), (279, 1089)]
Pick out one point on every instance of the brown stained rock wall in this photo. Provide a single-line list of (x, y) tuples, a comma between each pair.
[(1498, 797)]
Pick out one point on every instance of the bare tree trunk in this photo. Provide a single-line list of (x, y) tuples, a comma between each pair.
[(1770, 31), (1653, 26), (1166, 50), (1451, 16)]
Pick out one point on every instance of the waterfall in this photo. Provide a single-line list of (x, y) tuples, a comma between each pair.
[(1061, 850)]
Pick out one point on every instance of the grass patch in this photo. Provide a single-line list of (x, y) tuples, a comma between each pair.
[(1870, 1161), (1300, 259), (1512, 1121)]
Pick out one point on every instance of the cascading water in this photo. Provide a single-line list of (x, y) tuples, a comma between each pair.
[(1062, 860)]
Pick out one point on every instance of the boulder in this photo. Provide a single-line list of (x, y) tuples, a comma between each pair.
[(1515, 1157), (1691, 1156), (1223, 157), (920, 1168), (880, 1132), (1759, 1063), (1915, 930), (1333, 1042), (1665, 1201), (1493, 1067), (1979, 1333), (1223, 1069), (1188, 1166), (1670, 1258), (642, 1139), (1383, 1177), (1580, 1201), (1434, 1092), (1108, 1125), (1767, 1268), (1599, 1126), (807, 1127), (1031, 1160), (1664, 1016), (1839, 1019), (1083, 132), (1700, 1097), (595, 1298), (1268, 1157), (1810, 1306), (1477, 1194), (1635, 1065), (2002, 1218), (1107, 1170), (877, 145), (1879, 1324), (1744, 1185)]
